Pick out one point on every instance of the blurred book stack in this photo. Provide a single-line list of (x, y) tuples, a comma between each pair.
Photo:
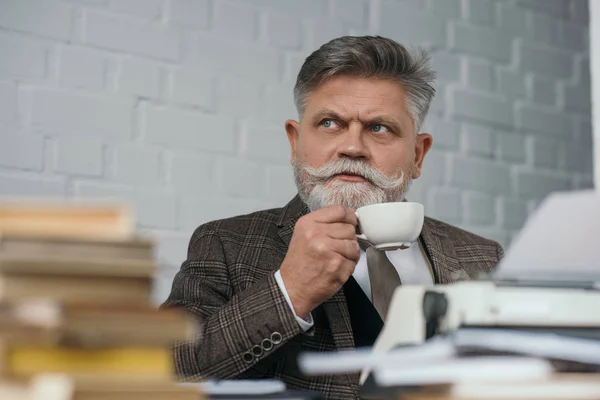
[(76, 319)]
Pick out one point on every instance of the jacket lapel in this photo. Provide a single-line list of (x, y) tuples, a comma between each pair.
[(445, 264)]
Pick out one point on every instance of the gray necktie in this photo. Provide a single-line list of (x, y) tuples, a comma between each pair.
[(383, 277)]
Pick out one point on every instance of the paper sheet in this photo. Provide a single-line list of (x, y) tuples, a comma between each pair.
[(559, 242)]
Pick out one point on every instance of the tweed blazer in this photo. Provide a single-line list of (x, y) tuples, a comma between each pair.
[(249, 331)]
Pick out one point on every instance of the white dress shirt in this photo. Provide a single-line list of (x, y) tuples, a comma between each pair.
[(411, 264)]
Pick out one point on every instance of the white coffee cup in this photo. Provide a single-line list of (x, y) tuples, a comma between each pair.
[(389, 226)]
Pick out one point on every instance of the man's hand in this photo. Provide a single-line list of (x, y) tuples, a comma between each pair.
[(322, 255)]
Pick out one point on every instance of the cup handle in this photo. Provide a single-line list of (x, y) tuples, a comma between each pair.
[(360, 235)]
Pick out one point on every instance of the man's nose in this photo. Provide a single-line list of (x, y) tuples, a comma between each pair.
[(352, 143)]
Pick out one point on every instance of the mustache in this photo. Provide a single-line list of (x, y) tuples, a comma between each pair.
[(354, 167)]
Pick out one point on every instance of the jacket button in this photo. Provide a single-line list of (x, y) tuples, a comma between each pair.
[(276, 337), (257, 350), (248, 357), (266, 344)]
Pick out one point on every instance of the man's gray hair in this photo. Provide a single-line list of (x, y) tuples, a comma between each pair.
[(370, 57)]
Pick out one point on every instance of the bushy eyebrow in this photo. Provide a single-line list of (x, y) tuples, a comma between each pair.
[(381, 119)]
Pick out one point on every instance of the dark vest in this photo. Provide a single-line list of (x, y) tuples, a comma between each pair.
[(365, 320)]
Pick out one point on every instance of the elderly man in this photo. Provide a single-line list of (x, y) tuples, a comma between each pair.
[(278, 282)]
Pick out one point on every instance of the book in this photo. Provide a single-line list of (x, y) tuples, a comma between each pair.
[(73, 288), (66, 218), (136, 247), (27, 361), (48, 322), (59, 386)]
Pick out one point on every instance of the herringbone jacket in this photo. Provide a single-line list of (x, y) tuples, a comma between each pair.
[(249, 330)]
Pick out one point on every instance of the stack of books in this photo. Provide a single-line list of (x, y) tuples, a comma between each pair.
[(76, 317)]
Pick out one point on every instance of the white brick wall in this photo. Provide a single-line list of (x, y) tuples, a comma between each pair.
[(178, 105)]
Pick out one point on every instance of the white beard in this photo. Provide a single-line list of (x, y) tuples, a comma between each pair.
[(318, 189)]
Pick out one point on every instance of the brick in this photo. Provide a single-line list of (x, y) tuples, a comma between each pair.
[(320, 31), (22, 58), (583, 183), (228, 56), (511, 19), (445, 204), (584, 129), (239, 97), (266, 141), (136, 165), (351, 11), (543, 91), (293, 63), (511, 84), (190, 12), (13, 184), (235, 19), (239, 178), (556, 8), (153, 208), (481, 175), (171, 247), (583, 71), (480, 208), (308, 8), (195, 130), (572, 36), (544, 29), (280, 186), (139, 78), (199, 210), (479, 74), (490, 43), (78, 156), (191, 172), (398, 22), (438, 106), (544, 152), (481, 107), (279, 102), (283, 30), (510, 147), (577, 98), (82, 69), (148, 9), (541, 120), (123, 34), (579, 158), (580, 11), (446, 8), (81, 114), (545, 61), (478, 140), (480, 12), (447, 66), (20, 150), (194, 88), (445, 132), (433, 172), (514, 213), (8, 101), (50, 18), (539, 184)]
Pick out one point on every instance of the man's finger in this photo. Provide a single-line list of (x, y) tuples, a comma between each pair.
[(335, 214), (340, 230)]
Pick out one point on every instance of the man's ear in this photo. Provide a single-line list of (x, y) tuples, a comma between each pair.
[(424, 142), (293, 131)]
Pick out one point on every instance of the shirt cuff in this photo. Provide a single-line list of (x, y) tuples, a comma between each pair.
[(305, 324)]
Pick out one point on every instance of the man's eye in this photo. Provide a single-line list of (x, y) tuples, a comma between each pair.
[(329, 123), (379, 128)]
